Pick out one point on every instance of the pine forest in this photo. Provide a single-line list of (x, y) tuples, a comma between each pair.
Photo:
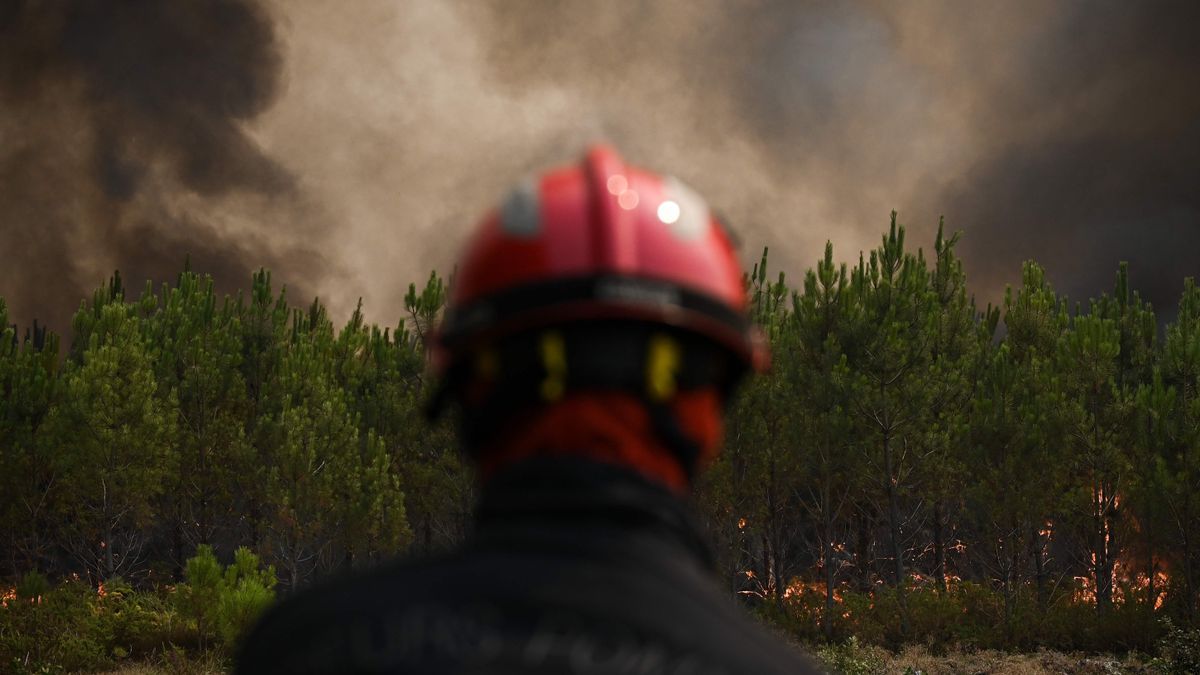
[(915, 468)]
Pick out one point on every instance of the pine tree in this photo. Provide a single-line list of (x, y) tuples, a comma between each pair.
[(762, 446), (960, 340), (1088, 354), (820, 373), (439, 489), (1180, 470), (196, 349), (1017, 439), (263, 318), (113, 432), (28, 391), (888, 365)]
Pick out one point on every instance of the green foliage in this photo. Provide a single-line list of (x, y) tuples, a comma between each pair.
[(912, 469), (200, 595), (29, 386), (853, 658), (1054, 464), (76, 627), (133, 623), (246, 591), (32, 586), (117, 425), (183, 419), (1179, 649), (61, 630), (224, 602), (965, 616)]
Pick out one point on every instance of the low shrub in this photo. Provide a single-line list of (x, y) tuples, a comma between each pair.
[(966, 616), (223, 603), (77, 627), (60, 629), (1178, 649), (853, 658), (246, 592)]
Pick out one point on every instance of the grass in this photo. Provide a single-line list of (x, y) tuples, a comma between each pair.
[(916, 659), (176, 662), (854, 660)]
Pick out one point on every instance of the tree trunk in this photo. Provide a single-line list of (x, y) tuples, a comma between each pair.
[(1009, 587), (764, 561), (939, 547), (1189, 586), (255, 524), (773, 535), (894, 527), (1185, 533), (177, 546), (1039, 566), (861, 549), (110, 567), (1150, 564), (1102, 566), (827, 624), (204, 519)]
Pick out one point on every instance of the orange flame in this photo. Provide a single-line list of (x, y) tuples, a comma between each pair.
[(797, 588), (1086, 591), (9, 596), (1128, 586)]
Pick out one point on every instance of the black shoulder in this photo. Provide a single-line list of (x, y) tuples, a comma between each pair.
[(301, 626), (542, 615)]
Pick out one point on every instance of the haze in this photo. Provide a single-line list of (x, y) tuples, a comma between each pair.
[(349, 146)]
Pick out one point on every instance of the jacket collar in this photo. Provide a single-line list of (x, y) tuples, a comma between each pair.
[(582, 495)]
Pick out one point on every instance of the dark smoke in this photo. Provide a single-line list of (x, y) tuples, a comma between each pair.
[(123, 145), (1104, 161), (134, 133), (1063, 132)]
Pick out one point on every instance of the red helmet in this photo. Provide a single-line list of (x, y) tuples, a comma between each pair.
[(598, 241)]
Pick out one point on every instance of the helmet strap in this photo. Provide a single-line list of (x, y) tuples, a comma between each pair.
[(538, 369), (670, 432)]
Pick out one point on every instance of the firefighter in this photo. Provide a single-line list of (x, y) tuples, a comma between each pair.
[(595, 331)]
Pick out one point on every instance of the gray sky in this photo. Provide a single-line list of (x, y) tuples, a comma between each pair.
[(350, 145)]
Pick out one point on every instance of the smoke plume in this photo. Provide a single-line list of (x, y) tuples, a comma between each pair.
[(1063, 132), (133, 133), (1090, 153), (124, 144)]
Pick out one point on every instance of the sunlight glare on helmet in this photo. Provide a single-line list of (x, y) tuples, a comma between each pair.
[(617, 184), (668, 212), (628, 200), (691, 216)]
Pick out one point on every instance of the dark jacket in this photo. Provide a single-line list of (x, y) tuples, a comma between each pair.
[(573, 568)]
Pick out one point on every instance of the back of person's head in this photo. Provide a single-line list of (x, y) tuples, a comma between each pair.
[(600, 312)]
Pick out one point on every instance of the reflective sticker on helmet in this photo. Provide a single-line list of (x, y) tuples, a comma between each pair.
[(637, 291), (662, 365), (520, 214), (554, 359), (683, 210)]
